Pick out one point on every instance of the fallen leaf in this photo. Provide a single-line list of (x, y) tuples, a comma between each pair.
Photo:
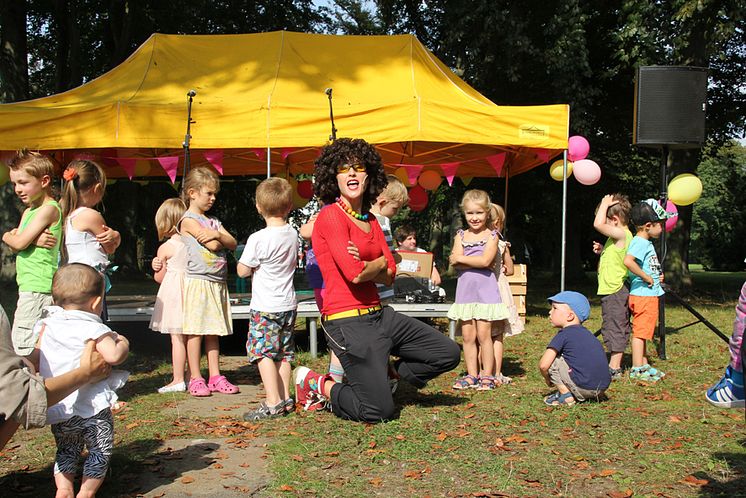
[(372, 444), (244, 465), (333, 453), (620, 494), (607, 472), (187, 479), (217, 465), (470, 415), (376, 481), (400, 437), (297, 458), (441, 436), (690, 480), (674, 418), (412, 474), (131, 426), (285, 487)]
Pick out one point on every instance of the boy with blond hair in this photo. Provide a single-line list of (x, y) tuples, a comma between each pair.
[(269, 258), (387, 205), (612, 218), (36, 241)]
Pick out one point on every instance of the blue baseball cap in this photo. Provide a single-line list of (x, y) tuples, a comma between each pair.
[(576, 301)]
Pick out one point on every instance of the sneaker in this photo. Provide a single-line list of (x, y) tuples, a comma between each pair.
[(645, 373), (179, 387), (306, 382), (728, 392), (317, 402), (616, 373), (263, 411), (289, 405)]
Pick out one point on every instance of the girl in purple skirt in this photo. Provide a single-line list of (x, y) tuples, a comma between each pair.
[(478, 303)]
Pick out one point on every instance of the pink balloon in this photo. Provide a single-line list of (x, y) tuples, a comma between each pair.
[(577, 148), (671, 222), (586, 171)]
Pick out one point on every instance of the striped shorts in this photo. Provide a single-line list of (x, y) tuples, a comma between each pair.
[(95, 433)]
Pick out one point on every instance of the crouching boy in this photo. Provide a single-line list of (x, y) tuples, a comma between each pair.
[(574, 361)]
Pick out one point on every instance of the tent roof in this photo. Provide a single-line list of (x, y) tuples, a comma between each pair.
[(259, 91)]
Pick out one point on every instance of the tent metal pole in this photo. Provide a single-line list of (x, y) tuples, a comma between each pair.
[(269, 161), (505, 202), (188, 136), (564, 219)]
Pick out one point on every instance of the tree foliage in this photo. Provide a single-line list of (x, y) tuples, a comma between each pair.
[(516, 53)]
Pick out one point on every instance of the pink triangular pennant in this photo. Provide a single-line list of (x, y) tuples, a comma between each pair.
[(497, 161), (542, 154), (215, 157), (170, 165), (128, 164), (286, 152), (413, 171), (260, 153), (449, 170)]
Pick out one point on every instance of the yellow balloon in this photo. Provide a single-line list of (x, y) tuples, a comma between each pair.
[(555, 169), (4, 174), (298, 201), (111, 181), (685, 189), (401, 174)]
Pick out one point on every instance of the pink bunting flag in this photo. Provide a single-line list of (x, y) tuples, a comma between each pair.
[(286, 152), (413, 171), (497, 161), (215, 157), (449, 170), (170, 165), (260, 153), (128, 164), (542, 154)]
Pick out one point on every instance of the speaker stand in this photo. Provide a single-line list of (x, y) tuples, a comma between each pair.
[(668, 290)]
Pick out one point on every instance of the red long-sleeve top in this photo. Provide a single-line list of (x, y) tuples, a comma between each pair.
[(331, 232)]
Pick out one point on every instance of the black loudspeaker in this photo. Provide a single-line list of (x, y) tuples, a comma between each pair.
[(670, 104)]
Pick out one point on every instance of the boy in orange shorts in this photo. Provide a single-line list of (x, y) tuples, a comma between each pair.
[(645, 284)]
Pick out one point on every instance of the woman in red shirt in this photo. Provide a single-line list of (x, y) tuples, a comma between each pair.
[(349, 175)]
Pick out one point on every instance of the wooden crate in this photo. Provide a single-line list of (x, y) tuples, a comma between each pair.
[(518, 284)]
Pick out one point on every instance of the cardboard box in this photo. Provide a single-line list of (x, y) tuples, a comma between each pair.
[(415, 264)]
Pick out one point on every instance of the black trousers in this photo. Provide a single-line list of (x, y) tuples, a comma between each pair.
[(363, 345)]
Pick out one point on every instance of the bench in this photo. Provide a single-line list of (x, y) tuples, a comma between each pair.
[(139, 308)]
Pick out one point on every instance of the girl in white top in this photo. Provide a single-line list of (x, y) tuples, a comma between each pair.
[(87, 238), (169, 265)]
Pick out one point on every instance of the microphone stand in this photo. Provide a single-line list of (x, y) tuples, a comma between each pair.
[(333, 136), (188, 136)]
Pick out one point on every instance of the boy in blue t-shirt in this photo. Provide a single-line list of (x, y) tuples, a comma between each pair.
[(574, 361), (646, 277)]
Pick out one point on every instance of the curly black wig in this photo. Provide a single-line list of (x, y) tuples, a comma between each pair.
[(346, 151)]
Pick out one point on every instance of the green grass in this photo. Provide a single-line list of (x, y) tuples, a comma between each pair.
[(657, 440)]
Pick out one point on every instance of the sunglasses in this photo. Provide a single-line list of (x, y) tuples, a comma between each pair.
[(344, 168)]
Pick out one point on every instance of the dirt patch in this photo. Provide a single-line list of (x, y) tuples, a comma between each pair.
[(204, 467)]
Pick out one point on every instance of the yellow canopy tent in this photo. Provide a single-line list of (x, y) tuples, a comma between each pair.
[(260, 92)]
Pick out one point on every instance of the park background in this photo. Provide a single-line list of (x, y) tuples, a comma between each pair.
[(657, 440)]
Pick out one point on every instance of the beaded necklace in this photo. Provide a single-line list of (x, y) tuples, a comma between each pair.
[(350, 211)]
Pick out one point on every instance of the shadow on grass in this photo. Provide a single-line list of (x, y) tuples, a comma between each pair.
[(408, 395), (736, 485), (128, 464)]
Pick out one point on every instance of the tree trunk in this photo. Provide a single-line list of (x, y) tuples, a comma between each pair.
[(13, 51), (14, 86)]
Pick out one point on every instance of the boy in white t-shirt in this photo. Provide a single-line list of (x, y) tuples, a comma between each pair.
[(270, 257), (84, 417)]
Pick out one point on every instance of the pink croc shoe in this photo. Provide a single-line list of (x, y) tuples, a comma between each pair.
[(198, 388), (222, 385)]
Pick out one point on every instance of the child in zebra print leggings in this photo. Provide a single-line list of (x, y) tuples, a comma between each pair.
[(83, 419)]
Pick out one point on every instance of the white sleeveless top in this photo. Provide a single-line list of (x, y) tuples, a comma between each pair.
[(82, 246)]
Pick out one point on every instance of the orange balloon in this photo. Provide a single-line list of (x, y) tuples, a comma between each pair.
[(429, 180)]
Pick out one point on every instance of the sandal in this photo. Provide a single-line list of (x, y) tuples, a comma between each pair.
[(566, 399), (549, 400), (222, 385), (198, 388), (486, 383), (466, 382)]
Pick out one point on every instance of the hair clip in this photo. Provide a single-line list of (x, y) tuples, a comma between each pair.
[(69, 174)]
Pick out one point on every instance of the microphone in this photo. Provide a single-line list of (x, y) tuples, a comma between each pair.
[(191, 93)]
